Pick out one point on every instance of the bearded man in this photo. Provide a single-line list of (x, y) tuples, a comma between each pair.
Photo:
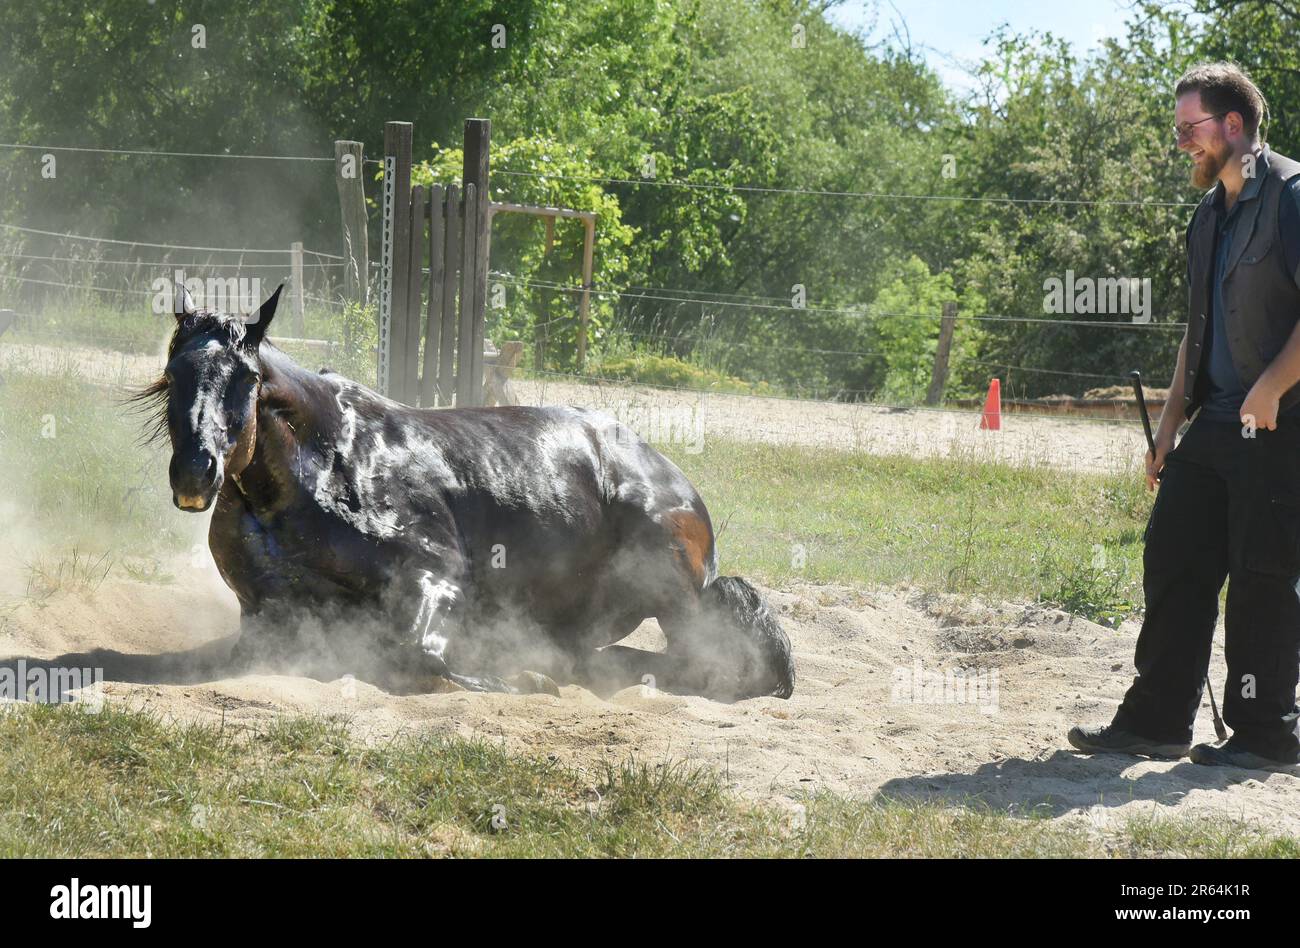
[(1228, 505)]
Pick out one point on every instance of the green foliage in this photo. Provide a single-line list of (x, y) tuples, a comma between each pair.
[(357, 331), (121, 74), (1264, 37), (76, 476), (904, 331), (674, 373), (1050, 127), (538, 291), (607, 106), (1091, 589)]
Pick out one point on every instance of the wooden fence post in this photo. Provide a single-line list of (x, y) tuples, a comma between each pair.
[(433, 317), (414, 320), (451, 256), (539, 332), (475, 171), (584, 307), (299, 304), (395, 279), (940, 377), (465, 388), (348, 168)]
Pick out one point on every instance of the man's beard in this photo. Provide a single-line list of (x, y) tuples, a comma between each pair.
[(1206, 174)]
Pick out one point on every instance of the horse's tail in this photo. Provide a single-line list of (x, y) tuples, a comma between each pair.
[(746, 629)]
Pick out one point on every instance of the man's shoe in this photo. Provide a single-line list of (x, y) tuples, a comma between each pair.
[(1228, 755), (1108, 739)]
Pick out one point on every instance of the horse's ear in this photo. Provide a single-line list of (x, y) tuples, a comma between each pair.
[(183, 302), (259, 321)]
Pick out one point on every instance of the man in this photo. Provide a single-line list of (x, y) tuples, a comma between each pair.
[(1229, 498)]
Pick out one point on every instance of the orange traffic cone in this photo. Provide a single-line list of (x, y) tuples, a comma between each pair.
[(991, 420)]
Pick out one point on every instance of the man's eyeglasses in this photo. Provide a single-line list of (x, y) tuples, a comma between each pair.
[(1185, 130)]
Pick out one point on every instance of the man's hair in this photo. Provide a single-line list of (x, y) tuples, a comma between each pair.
[(1225, 87)]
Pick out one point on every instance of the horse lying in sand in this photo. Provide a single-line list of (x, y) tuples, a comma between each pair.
[(478, 543)]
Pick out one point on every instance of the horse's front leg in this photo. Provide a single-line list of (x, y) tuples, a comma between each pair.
[(439, 604), (263, 642)]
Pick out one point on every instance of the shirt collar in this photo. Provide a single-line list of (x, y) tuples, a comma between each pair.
[(1249, 190)]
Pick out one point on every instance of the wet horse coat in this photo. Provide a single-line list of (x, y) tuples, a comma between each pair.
[(479, 542)]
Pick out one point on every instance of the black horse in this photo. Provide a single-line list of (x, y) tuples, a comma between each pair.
[(469, 544)]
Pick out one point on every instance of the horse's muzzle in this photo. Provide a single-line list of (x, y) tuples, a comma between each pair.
[(195, 482)]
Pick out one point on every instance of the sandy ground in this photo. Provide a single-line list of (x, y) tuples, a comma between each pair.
[(855, 725), (691, 418)]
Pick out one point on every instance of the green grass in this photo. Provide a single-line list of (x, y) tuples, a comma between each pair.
[(73, 466), (74, 572), (115, 782), (957, 525)]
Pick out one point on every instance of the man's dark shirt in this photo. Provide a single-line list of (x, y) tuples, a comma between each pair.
[(1226, 393)]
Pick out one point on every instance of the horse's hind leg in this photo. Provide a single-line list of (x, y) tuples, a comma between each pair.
[(731, 642), (723, 643)]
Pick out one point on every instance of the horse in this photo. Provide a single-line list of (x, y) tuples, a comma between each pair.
[(501, 549)]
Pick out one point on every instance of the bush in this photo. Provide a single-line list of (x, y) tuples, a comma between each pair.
[(665, 370)]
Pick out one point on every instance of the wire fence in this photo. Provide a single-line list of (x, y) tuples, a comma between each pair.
[(98, 261), (28, 322), (869, 195), (716, 304), (640, 182), (144, 340), (170, 154), (323, 266), (143, 243), (832, 419), (864, 311), (128, 291), (734, 302)]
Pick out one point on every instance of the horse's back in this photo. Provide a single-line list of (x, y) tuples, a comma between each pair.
[(573, 492), (555, 450)]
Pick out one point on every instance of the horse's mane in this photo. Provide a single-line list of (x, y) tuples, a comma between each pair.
[(151, 400)]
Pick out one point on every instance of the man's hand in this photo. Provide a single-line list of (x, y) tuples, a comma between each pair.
[(1164, 444), (1260, 407)]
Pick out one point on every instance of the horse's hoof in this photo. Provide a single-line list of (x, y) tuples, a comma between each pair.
[(534, 683)]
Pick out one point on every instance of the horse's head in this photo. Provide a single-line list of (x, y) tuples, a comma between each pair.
[(211, 386)]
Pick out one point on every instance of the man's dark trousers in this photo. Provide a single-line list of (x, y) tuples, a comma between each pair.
[(1228, 506)]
